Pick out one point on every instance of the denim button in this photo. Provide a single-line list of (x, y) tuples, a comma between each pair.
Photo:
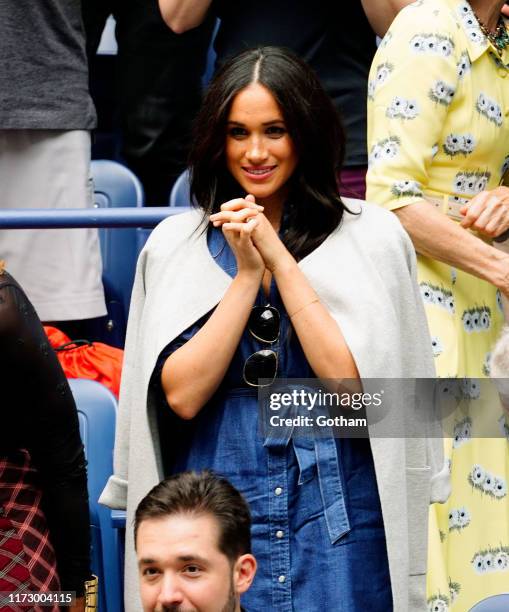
[(278, 491), (280, 534), (282, 579)]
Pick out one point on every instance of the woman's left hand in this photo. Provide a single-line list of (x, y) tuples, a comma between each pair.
[(264, 236), (488, 212)]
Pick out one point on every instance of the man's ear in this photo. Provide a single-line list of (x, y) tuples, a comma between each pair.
[(244, 572)]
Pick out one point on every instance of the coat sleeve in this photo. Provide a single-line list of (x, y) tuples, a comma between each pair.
[(114, 494)]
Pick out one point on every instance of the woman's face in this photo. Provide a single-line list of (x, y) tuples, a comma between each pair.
[(259, 151)]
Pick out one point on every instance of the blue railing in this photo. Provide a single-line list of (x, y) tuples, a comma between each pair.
[(43, 218)]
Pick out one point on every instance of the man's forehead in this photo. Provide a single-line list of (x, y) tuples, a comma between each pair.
[(179, 536)]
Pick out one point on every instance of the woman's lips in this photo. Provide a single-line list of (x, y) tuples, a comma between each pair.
[(258, 173)]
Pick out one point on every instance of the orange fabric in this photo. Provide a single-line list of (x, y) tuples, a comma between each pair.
[(93, 360)]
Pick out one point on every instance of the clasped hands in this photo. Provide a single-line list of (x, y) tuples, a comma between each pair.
[(254, 242), (488, 212)]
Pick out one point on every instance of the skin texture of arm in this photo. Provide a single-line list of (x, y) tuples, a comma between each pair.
[(183, 15), (380, 13), (437, 236)]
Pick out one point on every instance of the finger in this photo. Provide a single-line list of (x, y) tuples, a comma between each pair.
[(232, 216), (244, 228), (475, 208), (239, 203), (505, 10), (493, 211), (250, 198)]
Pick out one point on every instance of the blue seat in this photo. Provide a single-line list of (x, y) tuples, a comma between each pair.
[(180, 194), (116, 186), (496, 603), (97, 415)]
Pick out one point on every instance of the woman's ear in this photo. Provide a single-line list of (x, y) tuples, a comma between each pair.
[(244, 572)]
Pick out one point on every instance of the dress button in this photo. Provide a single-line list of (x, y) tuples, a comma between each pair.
[(282, 579), (502, 72), (280, 534), (278, 491), (507, 112)]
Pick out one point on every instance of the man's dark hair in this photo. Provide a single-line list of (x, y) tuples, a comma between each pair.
[(198, 494), (315, 207)]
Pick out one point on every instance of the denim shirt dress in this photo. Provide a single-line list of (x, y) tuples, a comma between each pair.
[(317, 527)]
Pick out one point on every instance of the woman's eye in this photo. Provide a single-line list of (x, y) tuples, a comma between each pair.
[(276, 131), (237, 132)]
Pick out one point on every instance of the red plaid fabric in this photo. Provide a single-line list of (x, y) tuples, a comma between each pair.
[(27, 558)]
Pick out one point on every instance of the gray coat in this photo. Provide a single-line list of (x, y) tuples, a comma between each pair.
[(365, 274)]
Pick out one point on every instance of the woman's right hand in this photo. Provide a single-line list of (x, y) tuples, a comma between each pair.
[(238, 229)]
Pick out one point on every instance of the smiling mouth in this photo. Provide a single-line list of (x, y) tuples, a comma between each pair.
[(258, 171)]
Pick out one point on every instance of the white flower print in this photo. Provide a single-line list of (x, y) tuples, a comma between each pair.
[(463, 65), (453, 519), (489, 108), (436, 345), (471, 183), (499, 487), (462, 433), (442, 93), (488, 485), (386, 40), (454, 590), (476, 36), (504, 427), (434, 44), (467, 322), (402, 108), (453, 144), (449, 304), (478, 564), (406, 188), (485, 321), (418, 43), (463, 517), (388, 148), (477, 475), (501, 561), (427, 293), (471, 388), (438, 604), (488, 561)]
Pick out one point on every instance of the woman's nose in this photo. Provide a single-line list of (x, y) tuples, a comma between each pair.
[(256, 150)]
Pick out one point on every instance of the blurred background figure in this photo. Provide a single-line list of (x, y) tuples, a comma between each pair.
[(157, 89), (46, 115), (44, 516)]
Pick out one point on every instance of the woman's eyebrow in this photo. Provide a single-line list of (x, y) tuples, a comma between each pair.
[(271, 122)]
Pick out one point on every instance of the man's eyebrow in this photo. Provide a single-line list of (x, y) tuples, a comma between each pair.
[(191, 558), (146, 561)]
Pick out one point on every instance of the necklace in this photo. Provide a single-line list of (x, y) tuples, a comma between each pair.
[(498, 38)]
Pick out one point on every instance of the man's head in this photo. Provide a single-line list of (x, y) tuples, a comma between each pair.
[(193, 544)]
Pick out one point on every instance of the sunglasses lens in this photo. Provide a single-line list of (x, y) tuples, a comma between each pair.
[(264, 323), (262, 364)]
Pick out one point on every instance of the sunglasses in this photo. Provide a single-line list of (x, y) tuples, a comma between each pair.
[(263, 324)]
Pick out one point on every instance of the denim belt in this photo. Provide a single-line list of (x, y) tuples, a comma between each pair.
[(321, 454)]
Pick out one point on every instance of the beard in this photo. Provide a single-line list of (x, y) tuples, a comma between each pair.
[(230, 605)]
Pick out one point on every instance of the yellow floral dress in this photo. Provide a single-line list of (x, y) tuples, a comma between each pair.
[(438, 127)]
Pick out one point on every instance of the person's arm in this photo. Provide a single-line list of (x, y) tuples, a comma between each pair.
[(406, 118), (192, 374), (381, 13), (49, 423), (319, 334), (435, 235), (183, 15)]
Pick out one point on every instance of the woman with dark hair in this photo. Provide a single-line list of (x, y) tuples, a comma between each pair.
[(277, 277)]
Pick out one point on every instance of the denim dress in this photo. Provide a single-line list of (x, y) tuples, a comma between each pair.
[(317, 527)]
